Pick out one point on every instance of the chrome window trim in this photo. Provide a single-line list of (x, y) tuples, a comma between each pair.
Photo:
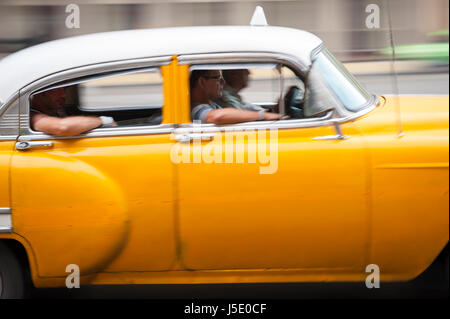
[(95, 68), (233, 66), (316, 51), (243, 57), (26, 133), (4, 107)]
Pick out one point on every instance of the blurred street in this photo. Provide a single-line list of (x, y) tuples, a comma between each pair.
[(249, 291), (429, 285)]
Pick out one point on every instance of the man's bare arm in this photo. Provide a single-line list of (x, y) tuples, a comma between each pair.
[(68, 126), (232, 115)]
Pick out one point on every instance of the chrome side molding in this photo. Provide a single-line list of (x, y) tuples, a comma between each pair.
[(339, 136), (5, 220), (187, 138)]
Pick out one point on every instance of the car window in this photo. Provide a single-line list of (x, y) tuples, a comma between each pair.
[(267, 86), (263, 86), (133, 97), (333, 78), (140, 89)]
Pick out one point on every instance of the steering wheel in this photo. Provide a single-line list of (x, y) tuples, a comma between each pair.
[(293, 102)]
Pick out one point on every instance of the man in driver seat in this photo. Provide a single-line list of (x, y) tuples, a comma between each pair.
[(235, 81), (206, 86)]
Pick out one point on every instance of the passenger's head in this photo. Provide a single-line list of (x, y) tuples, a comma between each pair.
[(50, 100), (206, 84), (237, 79)]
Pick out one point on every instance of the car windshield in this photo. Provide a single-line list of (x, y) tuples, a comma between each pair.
[(344, 86)]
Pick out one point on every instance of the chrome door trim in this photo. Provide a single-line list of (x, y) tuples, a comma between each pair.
[(104, 132), (326, 120), (5, 220), (186, 138), (8, 138), (337, 137), (330, 138)]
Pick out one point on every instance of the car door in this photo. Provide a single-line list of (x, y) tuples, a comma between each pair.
[(103, 200), (287, 195)]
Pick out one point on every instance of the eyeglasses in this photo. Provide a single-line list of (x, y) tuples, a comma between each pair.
[(217, 77)]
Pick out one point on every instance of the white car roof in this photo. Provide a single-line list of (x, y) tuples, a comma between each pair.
[(26, 66)]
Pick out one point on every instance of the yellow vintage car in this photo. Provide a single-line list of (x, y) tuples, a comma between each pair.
[(347, 180)]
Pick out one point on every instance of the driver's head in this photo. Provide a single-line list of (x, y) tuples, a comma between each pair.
[(207, 83), (237, 79), (50, 100)]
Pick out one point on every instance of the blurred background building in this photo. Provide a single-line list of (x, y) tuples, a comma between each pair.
[(417, 29), (340, 23)]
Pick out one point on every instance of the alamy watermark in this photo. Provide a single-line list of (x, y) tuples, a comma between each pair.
[(73, 279), (233, 146), (373, 279), (373, 19), (73, 19)]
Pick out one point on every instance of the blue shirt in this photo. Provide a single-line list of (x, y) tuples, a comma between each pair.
[(200, 111)]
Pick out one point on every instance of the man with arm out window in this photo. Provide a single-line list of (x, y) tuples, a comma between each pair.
[(49, 116)]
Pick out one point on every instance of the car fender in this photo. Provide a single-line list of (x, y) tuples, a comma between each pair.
[(71, 214)]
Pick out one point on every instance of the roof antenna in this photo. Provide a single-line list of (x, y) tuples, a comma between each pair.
[(258, 18), (400, 132)]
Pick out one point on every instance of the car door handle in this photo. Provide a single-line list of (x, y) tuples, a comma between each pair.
[(25, 145), (186, 138)]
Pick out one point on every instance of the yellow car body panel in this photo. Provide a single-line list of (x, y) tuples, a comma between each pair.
[(295, 215), (409, 184), (6, 149), (96, 205)]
